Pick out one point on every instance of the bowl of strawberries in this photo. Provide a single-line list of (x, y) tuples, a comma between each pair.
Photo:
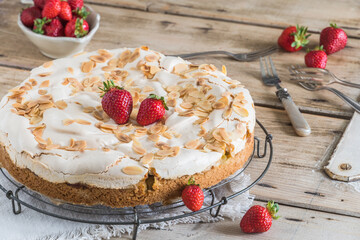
[(59, 28)]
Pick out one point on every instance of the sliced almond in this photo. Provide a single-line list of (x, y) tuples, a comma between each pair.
[(98, 59), (201, 121), (70, 70), (174, 95), (216, 134), (193, 144), (154, 69), (45, 74), (132, 170), (35, 120), (106, 149), (155, 129), (167, 135), (147, 158), (134, 55), (186, 105), (67, 122), (202, 131), (227, 113), (154, 137), (86, 67), (45, 83), (225, 136), (82, 121), (223, 69), (108, 68), (241, 111), (151, 58), (42, 91), (148, 89), (171, 102), (48, 64), (124, 138), (180, 67), (106, 54), (219, 105), (138, 148), (88, 109), (61, 104)]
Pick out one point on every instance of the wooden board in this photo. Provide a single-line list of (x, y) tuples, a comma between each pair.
[(294, 223), (180, 34), (274, 14)]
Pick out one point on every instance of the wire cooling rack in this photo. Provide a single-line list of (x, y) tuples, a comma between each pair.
[(20, 196)]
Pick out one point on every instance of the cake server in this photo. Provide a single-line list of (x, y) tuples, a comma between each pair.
[(270, 78)]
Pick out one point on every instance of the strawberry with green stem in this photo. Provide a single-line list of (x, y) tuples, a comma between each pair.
[(293, 38), (333, 39), (116, 102), (316, 58), (76, 27), (259, 219), (151, 110), (193, 196)]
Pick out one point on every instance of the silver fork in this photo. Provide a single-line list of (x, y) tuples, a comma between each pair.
[(270, 78), (321, 76), (313, 86), (242, 57)]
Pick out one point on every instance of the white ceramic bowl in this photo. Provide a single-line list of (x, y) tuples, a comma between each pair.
[(58, 47)]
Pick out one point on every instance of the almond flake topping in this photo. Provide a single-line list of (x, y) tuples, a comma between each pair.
[(70, 70), (152, 58), (148, 89), (132, 170), (42, 91), (147, 158), (45, 74), (67, 122), (48, 64), (223, 69), (241, 111), (193, 144), (86, 67), (138, 148), (180, 67), (45, 83), (98, 59), (124, 138), (83, 122)]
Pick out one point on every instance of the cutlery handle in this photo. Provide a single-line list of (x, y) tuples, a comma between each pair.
[(298, 121), (355, 105)]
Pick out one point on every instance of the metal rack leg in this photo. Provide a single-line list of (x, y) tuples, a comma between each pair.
[(136, 224), (12, 197)]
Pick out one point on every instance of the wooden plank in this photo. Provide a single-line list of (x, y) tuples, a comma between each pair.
[(294, 223), (277, 14), (130, 4), (296, 175), (181, 34)]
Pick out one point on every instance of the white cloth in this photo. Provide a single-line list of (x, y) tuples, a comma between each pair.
[(30, 224)]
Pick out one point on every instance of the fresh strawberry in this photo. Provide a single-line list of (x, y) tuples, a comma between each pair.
[(316, 58), (28, 16), (39, 3), (116, 102), (39, 25), (74, 4), (81, 12), (51, 8), (259, 219), (193, 196), (333, 38), (151, 110), (65, 12), (293, 38), (54, 28), (76, 27)]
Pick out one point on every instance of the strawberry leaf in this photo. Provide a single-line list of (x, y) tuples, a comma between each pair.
[(162, 99), (108, 85)]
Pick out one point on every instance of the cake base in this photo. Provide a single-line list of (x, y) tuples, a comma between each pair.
[(151, 190)]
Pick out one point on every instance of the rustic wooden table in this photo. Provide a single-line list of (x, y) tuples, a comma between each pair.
[(312, 205)]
